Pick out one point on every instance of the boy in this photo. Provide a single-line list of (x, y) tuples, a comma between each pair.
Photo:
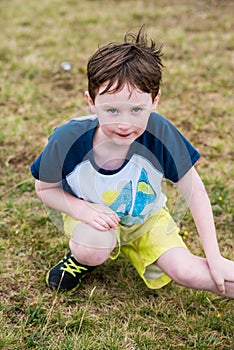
[(104, 173)]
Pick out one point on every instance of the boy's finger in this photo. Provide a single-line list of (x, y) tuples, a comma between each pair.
[(221, 287)]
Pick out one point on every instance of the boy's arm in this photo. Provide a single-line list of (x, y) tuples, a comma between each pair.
[(193, 189), (96, 215)]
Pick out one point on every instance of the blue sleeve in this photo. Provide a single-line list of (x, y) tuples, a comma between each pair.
[(173, 151), (48, 167), (65, 149)]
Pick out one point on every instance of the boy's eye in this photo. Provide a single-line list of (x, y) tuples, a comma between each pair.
[(136, 110), (112, 111)]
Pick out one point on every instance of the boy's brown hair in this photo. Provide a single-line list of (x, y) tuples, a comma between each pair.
[(136, 61)]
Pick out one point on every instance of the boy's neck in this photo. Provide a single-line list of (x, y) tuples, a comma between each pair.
[(107, 154)]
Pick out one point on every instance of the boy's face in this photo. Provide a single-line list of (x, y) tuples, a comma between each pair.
[(122, 115)]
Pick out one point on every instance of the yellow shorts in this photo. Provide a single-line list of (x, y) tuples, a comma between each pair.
[(143, 244)]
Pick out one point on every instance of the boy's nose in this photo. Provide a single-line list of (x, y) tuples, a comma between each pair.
[(124, 126)]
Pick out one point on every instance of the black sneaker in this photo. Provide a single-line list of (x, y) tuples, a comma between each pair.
[(67, 274)]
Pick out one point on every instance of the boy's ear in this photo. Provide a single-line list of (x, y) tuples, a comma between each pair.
[(156, 99), (90, 101), (88, 98)]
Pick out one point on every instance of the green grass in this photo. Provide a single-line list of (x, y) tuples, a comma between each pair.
[(113, 309)]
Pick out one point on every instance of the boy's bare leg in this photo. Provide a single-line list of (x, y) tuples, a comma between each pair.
[(191, 271), (90, 246)]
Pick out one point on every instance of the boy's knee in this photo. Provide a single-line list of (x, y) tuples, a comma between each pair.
[(92, 256)]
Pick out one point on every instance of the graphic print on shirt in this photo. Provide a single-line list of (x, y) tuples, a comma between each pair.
[(134, 192), (122, 202)]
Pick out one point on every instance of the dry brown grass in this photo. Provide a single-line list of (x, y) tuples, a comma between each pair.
[(197, 95)]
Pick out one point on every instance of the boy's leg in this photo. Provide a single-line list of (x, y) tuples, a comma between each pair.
[(160, 255), (89, 249), (190, 271), (91, 246)]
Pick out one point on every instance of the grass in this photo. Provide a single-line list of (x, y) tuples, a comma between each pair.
[(113, 309)]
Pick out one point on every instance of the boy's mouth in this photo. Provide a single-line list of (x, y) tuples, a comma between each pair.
[(124, 135)]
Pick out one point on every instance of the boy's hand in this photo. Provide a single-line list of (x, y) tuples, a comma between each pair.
[(221, 270), (99, 216)]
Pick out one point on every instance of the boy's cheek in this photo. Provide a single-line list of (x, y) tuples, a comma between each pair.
[(93, 109)]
